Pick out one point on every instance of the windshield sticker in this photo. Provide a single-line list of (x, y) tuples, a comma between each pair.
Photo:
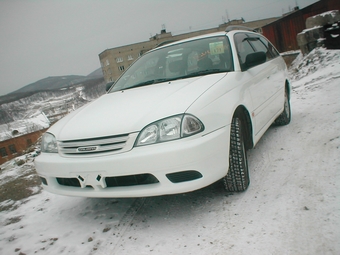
[(216, 48)]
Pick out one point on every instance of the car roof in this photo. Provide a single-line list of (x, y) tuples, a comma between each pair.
[(231, 30), (192, 38)]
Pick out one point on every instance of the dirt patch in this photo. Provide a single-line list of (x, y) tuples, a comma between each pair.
[(13, 220), (18, 189)]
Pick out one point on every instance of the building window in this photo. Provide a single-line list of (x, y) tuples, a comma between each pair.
[(121, 68), (3, 152), (29, 142), (12, 149), (107, 62), (119, 60), (130, 58)]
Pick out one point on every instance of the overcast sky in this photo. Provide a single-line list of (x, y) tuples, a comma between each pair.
[(42, 38)]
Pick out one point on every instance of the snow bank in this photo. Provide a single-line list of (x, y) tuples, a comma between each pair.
[(320, 65), (34, 123)]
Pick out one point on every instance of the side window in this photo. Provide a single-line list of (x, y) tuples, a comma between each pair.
[(270, 47), (243, 47), (259, 46)]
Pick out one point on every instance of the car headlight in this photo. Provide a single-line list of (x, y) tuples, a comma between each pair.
[(49, 143), (169, 129)]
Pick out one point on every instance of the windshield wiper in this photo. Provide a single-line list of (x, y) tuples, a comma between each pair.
[(145, 83), (203, 72), (154, 81)]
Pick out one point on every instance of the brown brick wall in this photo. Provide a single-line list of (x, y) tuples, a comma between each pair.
[(19, 144)]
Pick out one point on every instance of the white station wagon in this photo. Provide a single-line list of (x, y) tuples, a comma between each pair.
[(180, 118)]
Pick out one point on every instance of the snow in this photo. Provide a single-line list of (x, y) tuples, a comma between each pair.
[(291, 206), (33, 123), (310, 29), (332, 13), (291, 52)]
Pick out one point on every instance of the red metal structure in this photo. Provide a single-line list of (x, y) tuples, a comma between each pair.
[(282, 33)]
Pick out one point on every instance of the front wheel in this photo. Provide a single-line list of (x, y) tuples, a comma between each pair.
[(237, 178)]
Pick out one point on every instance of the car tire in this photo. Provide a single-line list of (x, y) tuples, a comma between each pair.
[(237, 178), (285, 117)]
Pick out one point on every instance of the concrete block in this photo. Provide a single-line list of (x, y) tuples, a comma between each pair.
[(326, 18), (310, 35), (301, 38)]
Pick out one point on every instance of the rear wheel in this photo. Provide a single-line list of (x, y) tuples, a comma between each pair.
[(285, 116), (237, 178)]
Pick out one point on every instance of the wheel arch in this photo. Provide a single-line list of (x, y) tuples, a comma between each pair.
[(242, 113), (288, 88)]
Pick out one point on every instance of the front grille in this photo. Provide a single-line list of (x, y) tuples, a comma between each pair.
[(93, 145), (130, 180), (70, 182), (119, 181)]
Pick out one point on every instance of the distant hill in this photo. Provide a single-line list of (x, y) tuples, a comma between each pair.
[(96, 74), (51, 84), (54, 103)]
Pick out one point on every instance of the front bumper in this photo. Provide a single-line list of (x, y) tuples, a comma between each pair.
[(205, 155)]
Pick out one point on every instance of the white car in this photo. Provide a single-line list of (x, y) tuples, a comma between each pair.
[(179, 119)]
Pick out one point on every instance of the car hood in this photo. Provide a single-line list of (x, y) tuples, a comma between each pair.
[(131, 110)]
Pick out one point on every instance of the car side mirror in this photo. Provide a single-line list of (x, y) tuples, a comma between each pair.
[(254, 59), (109, 85)]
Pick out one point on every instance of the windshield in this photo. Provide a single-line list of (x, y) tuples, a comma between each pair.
[(183, 60)]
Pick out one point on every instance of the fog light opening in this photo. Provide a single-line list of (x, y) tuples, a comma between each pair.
[(184, 176), (43, 180)]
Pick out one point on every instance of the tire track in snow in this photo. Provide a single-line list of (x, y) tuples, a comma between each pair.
[(259, 162), (113, 241)]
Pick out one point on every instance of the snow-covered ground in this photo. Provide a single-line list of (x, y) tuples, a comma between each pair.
[(292, 205)]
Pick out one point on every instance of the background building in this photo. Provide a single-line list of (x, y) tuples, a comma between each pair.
[(282, 32), (18, 136)]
